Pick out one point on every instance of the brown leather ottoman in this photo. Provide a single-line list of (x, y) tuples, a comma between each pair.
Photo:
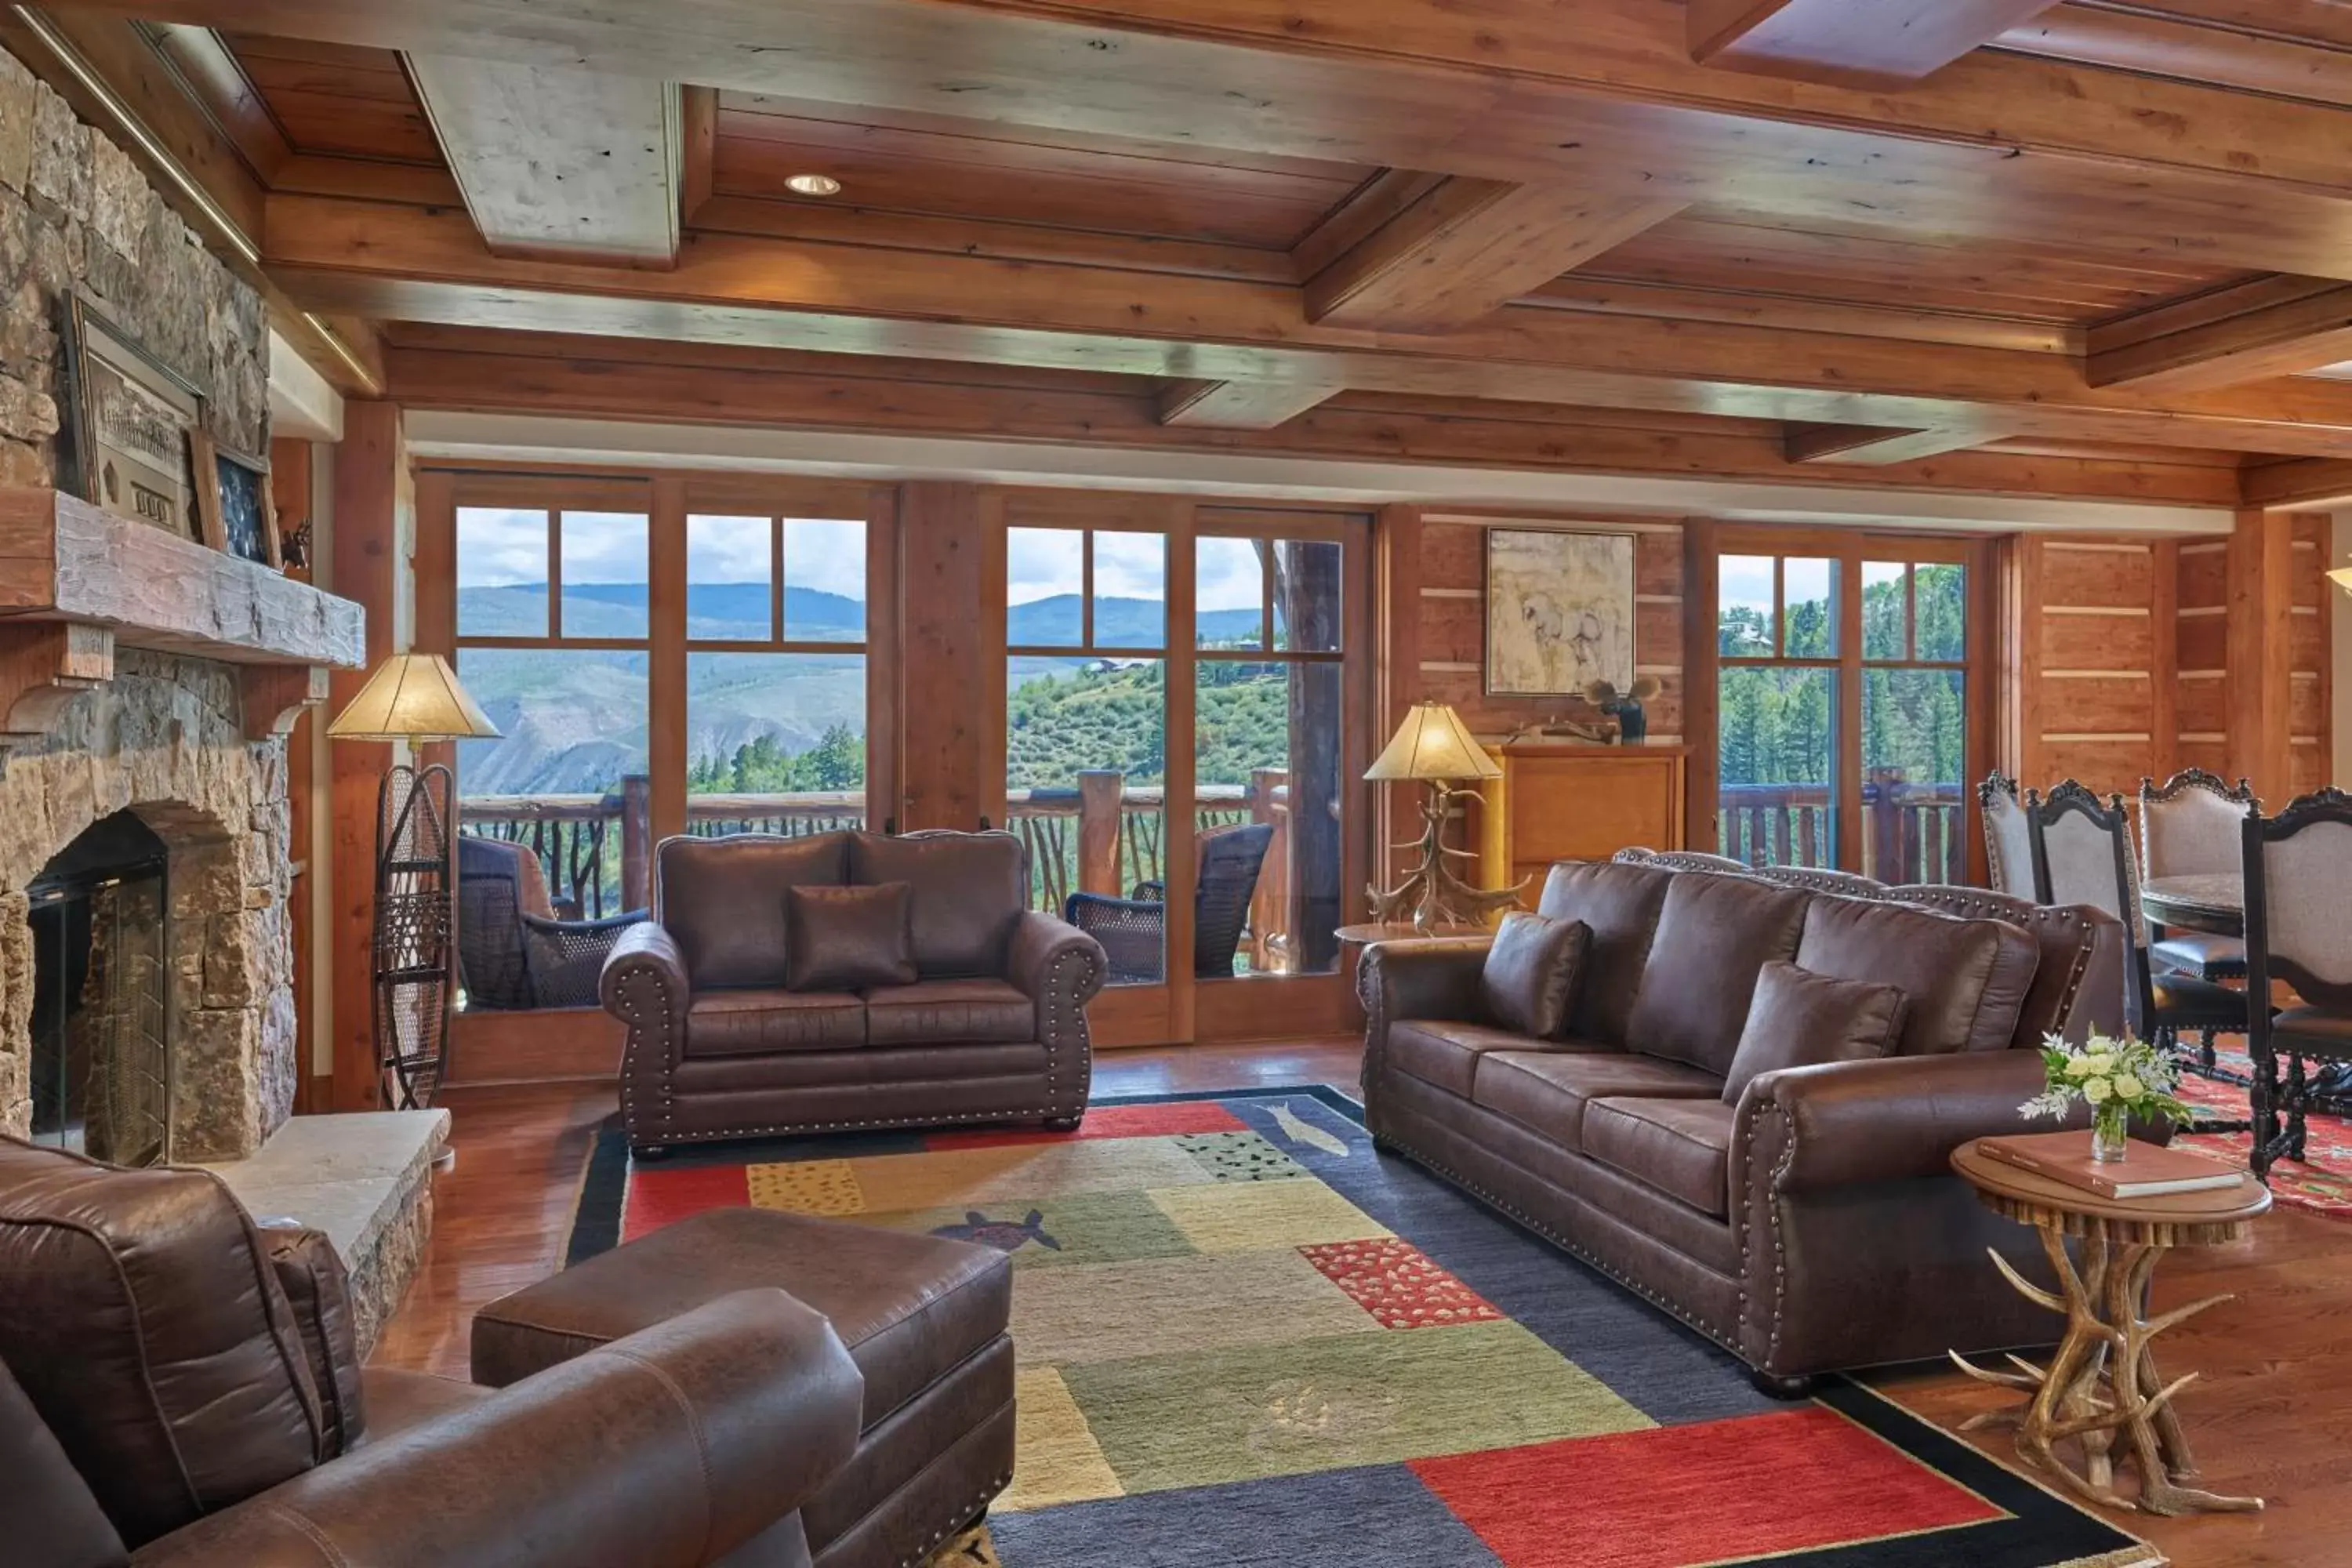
[(924, 1319)]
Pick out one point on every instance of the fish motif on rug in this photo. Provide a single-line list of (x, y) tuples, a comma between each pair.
[(1004, 1234), (1298, 1130)]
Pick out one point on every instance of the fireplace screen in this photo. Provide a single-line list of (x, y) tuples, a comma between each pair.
[(102, 1062)]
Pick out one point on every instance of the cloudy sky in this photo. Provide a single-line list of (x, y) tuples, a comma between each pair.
[(1041, 563), (498, 547)]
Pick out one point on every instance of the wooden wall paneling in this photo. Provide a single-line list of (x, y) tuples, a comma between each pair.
[(944, 706), (2259, 645), (2099, 643), (884, 658), (1702, 687), (1367, 732), (666, 620), (2310, 706), (367, 570), (2164, 666)]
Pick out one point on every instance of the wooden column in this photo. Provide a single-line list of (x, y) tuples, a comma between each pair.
[(1102, 792), (1702, 686), (368, 564), (946, 628), (1397, 583), (666, 695), (2260, 652)]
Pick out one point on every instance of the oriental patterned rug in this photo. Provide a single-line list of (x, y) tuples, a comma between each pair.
[(1247, 1340), (2320, 1182)]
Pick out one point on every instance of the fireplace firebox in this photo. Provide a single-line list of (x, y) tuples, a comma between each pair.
[(101, 1060)]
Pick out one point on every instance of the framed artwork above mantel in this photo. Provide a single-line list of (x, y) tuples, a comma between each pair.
[(131, 418), (1559, 611)]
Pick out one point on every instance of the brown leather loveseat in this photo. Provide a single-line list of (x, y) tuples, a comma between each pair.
[(841, 981), (1811, 1222), (180, 1388)]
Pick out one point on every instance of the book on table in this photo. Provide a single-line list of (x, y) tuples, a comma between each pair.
[(2149, 1171)]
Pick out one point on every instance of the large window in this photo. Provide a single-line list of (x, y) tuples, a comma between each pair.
[(775, 673), (747, 691), (553, 641), (1843, 705)]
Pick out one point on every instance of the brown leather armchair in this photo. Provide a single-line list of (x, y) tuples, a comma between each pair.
[(992, 1029), (179, 1389)]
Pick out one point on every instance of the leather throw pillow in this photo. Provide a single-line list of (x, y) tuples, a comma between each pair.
[(848, 938), (1800, 1019), (1531, 974)]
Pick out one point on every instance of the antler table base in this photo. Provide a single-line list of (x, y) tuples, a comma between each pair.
[(2100, 1386)]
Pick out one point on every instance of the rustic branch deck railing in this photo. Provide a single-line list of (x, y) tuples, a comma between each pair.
[(1912, 832), (1102, 836)]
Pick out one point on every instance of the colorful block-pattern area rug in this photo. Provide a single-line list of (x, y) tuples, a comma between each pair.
[(1247, 1340), (2320, 1182)]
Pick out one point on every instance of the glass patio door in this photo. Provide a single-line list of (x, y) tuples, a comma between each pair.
[(1183, 753)]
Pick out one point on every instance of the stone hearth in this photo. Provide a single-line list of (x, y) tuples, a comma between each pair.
[(165, 740)]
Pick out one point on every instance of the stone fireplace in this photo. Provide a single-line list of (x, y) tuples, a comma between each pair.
[(164, 741)]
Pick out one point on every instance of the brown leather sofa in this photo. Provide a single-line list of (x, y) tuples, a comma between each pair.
[(992, 1027), (1815, 1224), (181, 1389)]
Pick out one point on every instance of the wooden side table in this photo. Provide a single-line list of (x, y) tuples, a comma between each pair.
[(2101, 1385)]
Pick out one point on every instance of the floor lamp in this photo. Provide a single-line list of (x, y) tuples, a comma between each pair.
[(1434, 745), (415, 698)]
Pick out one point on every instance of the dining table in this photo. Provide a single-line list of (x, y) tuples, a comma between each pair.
[(2211, 902)]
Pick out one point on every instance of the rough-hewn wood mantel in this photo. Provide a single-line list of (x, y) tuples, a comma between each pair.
[(76, 582)]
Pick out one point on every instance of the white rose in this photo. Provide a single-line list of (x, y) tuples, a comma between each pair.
[(2097, 1091), (2098, 1063), (2127, 1087)]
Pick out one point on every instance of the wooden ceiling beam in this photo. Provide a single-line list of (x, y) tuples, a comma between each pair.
[(1997, 145), (2272, 326), (2197, 47), (518, 372), (1447, 249), (402, 263), (555, 160), (1240, 405), (215, 78), (1872, 445), (2315, 483), (1849, 43)]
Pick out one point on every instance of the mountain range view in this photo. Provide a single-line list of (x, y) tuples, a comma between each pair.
[(574, 720)]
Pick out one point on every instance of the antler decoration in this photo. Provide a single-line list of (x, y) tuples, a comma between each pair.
[(1432, 896)]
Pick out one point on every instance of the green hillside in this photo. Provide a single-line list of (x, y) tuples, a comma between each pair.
[(1061, 723)]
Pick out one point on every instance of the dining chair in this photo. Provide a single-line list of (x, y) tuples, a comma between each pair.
[(2190, 827), (2081, 850), (2298, 866), (2009, 837)]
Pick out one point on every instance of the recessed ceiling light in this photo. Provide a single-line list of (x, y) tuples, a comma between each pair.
[(813, 186)]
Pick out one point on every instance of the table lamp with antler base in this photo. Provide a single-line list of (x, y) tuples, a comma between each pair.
[(1434, 746)]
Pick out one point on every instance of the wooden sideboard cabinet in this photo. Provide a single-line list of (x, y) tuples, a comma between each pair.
[(1576, 803)]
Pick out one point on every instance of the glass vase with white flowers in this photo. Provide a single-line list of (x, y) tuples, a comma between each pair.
[(2117, 1079)]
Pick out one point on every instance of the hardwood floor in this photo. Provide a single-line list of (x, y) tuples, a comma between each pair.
[(2271, 1412)]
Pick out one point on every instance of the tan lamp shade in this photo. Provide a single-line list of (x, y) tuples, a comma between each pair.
[(2342, 578), (413, 697), (1432, 744)]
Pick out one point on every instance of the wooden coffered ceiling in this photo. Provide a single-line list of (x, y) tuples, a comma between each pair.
[(2098, 247)]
